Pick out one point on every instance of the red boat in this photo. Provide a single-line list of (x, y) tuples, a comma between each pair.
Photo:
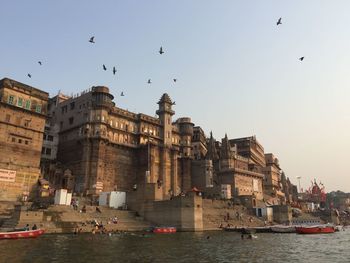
[(164, 230), (21, 234), (315, 229)]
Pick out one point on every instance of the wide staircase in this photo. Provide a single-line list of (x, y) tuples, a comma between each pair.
[(215, 214), (64, 219), (67, 219)]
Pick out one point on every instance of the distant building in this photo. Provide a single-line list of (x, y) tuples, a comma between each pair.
[(199, 144), (272, 181), (22, 121), (236, 170), (250, 148), (227, 170)]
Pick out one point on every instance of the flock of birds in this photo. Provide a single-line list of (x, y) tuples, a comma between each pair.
[(279, 22), (92, 40), (161, 52)]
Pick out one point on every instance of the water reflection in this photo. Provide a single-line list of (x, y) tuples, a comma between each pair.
[(179, 247)]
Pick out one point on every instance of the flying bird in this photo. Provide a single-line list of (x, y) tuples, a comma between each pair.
[(161, 51), (29, 75), (279, 22), (301, 59), (174, 80), (92, 40), (104, 67), (40, 63), (149, 81), (122, 94), (114, 70)]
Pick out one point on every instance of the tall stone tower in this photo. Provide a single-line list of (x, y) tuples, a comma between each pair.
[(186, 132), (165, 114)]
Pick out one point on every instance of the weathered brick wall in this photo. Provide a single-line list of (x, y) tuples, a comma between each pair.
[(119, 166), (21, 136), (184, 213), (95, 160), (244, 185)]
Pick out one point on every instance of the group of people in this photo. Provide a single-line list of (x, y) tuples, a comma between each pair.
[(27, 228)]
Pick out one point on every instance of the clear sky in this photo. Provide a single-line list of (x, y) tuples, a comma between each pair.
[(238, 72)]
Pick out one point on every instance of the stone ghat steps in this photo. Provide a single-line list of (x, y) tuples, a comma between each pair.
[(67, 220), (67, 213), (69, 227), (6, 208), (215, 213)]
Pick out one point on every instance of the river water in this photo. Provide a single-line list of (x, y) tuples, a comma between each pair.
[(179, 247)]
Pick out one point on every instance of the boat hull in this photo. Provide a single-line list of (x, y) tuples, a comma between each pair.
[(21, 234), (164, 230), (283, 229), (315, 230)]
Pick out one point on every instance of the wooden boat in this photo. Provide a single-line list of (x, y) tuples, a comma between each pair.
[(321, 229), (165, 229), (21, 234), (283, 229)]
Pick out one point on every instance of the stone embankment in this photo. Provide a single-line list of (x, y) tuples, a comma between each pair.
[(219, 212), (64, 219)]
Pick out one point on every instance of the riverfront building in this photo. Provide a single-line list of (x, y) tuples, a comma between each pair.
[(106, 148), (87, 144), (22, 122), (231, 168)]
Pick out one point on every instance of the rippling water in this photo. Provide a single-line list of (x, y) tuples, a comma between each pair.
[(179, 247)]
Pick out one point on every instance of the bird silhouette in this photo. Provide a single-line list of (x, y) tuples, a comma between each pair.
[(149, 81), (40, 63), (114, 70), (174, 80), (301, 59), (161, 51), (122, 94), (92, 40), (173, 103), (29, 75), (104, 67), (279, 22)]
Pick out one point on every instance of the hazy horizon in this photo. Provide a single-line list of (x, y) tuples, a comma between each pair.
[(237, 71)]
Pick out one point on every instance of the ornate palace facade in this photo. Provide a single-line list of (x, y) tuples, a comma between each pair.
[(108, 148)]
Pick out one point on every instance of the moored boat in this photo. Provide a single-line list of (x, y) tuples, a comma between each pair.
[(21, 234), (283, 229), (321, 229), (164, 229), (262, 229)]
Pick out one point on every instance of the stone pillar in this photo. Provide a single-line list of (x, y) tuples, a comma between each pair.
[(174, 182), (83, 179), (186, 174), (166, 171)]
